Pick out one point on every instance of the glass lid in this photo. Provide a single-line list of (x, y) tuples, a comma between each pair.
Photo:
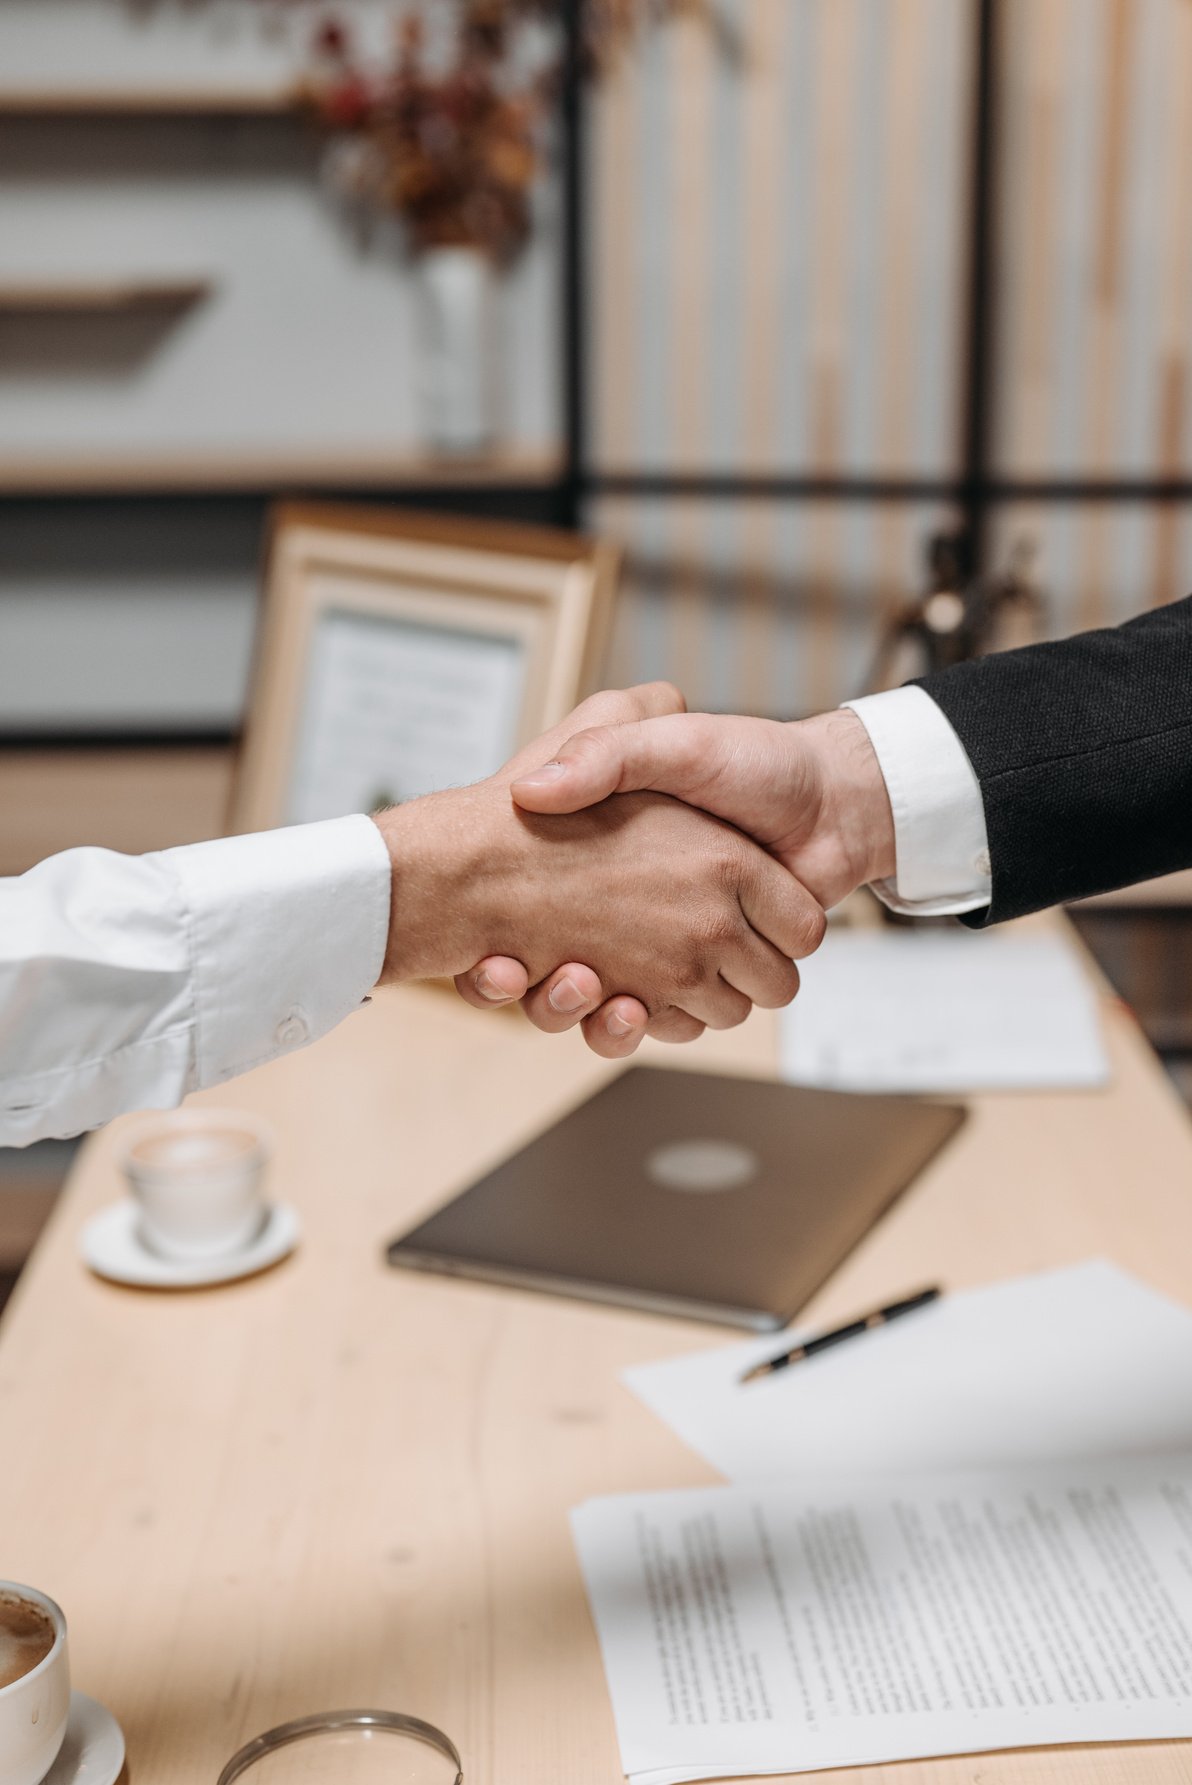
[(351, 1747)]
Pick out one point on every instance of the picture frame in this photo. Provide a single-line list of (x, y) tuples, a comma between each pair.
[(400, 652)]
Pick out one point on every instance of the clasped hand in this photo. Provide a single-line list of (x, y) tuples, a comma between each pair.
[(665, 918), (619, 839)]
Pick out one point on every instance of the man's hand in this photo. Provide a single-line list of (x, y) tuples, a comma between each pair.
[(572, 994), (662, 902), (811, 792)]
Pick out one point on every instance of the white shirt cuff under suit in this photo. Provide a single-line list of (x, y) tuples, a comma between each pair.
[(128, 981), (941, 845)]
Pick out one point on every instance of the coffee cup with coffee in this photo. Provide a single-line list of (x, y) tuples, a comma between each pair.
[(197, 1176), (34, 1683)]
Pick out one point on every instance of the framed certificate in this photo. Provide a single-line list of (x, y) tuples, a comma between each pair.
[(401, 653)]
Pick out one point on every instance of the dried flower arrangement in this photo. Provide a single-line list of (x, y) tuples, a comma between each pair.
[(454, 147)]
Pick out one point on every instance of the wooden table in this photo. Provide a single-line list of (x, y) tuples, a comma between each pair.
[(338, 1484)]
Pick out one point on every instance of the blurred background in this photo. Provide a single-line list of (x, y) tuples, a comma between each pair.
[(864, 325)]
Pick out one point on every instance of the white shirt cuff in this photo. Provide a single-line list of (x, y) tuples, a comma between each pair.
[(287, 934), (940, 841)]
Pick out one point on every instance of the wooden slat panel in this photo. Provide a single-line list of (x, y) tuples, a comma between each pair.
[(614, 268), (687, 597), (814, 580), (828, 346), (904, 129), (1095, 264), (1101, 563), (131, 800), (766, 127), (783, 252), (687, 302), (1174, 344), (1095, 291)]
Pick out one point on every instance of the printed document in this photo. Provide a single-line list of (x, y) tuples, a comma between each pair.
[(914, 1010), (792, 1625), (1082, 1362)]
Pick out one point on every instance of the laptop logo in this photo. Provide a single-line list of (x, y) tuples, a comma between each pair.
[(702, 1166)]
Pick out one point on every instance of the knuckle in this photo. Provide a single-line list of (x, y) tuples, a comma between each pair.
[(731, 1012), (688, 972), (718, 928), (723, 869), (784, 988), (617, 706), (595, 737), (734, 858), (655, 698), (592, 741), (810, 928), (673, 1025), (599, 709)]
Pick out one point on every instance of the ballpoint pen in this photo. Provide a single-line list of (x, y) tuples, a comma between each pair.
[(866, 1323)]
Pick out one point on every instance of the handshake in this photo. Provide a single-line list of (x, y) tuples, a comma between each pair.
[(639, 870)]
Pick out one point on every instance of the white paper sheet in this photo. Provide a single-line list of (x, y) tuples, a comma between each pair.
[(791, 1626), (910, 1010), (1082, 1362)]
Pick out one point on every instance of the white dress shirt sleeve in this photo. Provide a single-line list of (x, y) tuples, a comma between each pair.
[(940, 841), (128, 981)]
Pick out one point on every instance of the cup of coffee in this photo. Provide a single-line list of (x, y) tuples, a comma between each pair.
[(197, 1178), (34, 1683)]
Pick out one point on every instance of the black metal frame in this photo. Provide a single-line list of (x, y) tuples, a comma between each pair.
[(978, 417)]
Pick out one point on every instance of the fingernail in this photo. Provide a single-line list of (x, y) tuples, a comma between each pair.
[(550, 771), (566, 997), (617, 1027), (488, 988)]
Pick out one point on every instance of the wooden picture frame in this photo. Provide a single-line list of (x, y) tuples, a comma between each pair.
[(399, 652)]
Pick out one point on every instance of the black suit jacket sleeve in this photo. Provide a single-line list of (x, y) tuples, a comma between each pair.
[(1083, 750)]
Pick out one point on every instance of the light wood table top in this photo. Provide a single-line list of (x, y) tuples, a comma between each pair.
[(339, 1484)]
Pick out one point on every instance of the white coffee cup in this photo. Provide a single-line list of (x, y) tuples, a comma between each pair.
[(197, 1178), (34, 1708)]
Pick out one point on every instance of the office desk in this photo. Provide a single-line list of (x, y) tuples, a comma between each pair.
[(341, 1485)]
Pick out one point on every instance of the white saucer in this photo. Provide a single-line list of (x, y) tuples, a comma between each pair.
[(111, 1244), (92, 1752)]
